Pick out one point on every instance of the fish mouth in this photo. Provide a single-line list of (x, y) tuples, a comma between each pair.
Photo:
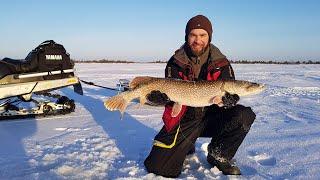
[(262, 87), (255, 89)]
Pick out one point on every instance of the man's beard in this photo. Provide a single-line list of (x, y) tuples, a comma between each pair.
[(198, 52)]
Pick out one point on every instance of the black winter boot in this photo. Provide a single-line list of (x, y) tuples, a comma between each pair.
[(223, 164)]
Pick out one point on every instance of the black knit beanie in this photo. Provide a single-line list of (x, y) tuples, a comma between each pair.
[(199, 22)]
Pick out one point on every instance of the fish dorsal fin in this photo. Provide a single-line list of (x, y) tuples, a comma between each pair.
[(176, 109), (140, 80)]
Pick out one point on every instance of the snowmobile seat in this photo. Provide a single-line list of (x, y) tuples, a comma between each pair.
[(16, 66), (12, 61), (6, 68)]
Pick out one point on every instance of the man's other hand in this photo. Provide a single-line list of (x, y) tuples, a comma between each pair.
[(157, 98), (230, 100)]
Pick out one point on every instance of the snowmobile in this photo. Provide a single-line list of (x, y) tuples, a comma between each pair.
[(46, 68)]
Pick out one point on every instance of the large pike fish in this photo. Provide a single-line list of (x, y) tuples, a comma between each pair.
[(189, 93)]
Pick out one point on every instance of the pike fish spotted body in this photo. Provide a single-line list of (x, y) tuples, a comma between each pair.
[(189, 93)]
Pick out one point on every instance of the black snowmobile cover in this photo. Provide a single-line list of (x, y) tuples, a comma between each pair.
[(48, 56)]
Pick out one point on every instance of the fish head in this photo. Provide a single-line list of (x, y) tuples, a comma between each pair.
[(243, 88)]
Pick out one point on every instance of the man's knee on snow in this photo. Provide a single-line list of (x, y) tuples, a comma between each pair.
[(161, 162), (154, 167), (245, 116)]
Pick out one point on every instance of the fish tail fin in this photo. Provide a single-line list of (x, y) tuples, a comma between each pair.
[(140, 80), (116, 103)]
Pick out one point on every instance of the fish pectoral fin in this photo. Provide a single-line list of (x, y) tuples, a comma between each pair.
[(217, 100), (176, 109)]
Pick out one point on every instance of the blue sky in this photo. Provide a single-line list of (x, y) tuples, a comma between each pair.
[(152, 30)]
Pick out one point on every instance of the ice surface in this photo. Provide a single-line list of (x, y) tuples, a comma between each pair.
[(93, 143)]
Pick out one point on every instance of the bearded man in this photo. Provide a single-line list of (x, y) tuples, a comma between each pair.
[(225, 122)]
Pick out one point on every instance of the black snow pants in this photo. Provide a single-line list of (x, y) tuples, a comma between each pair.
[(226, 127)]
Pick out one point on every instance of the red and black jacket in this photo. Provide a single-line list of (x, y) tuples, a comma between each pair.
[(180, 67)]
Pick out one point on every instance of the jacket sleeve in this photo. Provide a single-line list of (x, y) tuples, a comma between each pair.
[(172, 71), (221, 70), (226, 72)]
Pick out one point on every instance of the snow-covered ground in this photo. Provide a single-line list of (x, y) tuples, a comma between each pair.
[(93, 143)]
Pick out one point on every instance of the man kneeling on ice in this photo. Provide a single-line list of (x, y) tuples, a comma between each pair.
[(225, 123)]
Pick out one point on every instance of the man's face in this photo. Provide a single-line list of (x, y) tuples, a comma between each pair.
[(198, 40)]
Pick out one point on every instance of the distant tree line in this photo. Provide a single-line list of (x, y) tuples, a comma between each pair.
[(232, 61), (274, 62), (103, 61)]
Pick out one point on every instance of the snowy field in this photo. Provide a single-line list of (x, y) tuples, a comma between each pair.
[(93, 143)]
